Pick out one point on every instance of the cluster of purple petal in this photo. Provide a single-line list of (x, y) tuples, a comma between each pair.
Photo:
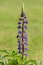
[(19, 36)]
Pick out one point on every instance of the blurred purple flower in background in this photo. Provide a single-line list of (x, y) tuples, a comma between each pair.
[(22, 35)]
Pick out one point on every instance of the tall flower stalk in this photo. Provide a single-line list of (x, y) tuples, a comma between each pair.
[(22, 35)]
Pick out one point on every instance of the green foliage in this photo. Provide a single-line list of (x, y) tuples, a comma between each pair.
[(32, 62), (13, 58), (1, 63), (12, 62)]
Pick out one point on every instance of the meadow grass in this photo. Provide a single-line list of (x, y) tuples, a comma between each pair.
[(9, 16)]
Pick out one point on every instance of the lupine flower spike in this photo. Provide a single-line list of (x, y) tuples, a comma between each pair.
[(22, 36)]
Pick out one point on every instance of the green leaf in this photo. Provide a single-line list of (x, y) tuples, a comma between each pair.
[(14, 53), (12, 62), (1, 63), (5, 51)]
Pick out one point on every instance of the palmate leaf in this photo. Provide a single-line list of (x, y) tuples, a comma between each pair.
[(5, 56), (9, 55), (14, 53), (8, 52), (5, 51)]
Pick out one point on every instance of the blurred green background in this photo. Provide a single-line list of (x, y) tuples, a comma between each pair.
[(9, 16)]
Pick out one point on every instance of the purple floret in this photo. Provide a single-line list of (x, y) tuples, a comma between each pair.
[(25, 22), (25, 34), (25, 44), (19, 32), (25, 27), (19, 48), (19, 41), (19, 22), (26, 49), (26, 40), (19, 27), (25, 17), (22, 36)]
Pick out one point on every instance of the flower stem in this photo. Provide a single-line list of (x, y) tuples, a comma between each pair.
[(22, 39)]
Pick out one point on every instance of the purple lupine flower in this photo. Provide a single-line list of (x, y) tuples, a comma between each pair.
[(25, 44), (19, 27), (19, 41), (25, 17), (25, 39), (19, 32), (25, 22), (19, 22), (25, 34), (22, 36), (19, 45), (26, 49), (25, 27), (19, 48)]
